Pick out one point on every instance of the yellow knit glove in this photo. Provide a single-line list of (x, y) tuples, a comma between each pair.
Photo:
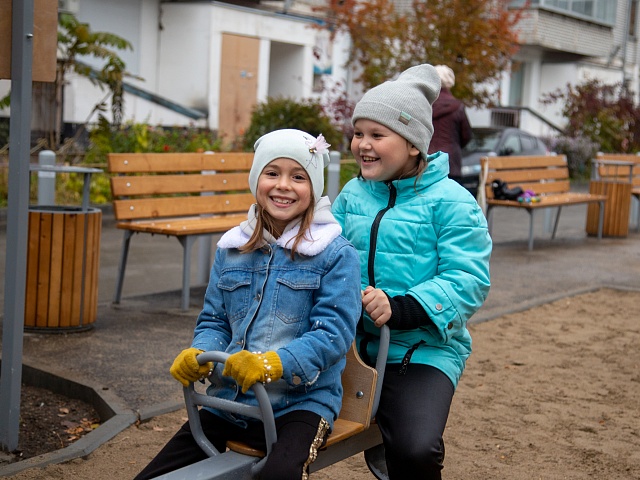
[(186, 368), (247, 368)]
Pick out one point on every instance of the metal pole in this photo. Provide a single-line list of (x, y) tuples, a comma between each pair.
[(17, 222), (47, 179), (333, 176)]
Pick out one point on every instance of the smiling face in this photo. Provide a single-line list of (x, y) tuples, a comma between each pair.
[(284, 191), (381, 153)]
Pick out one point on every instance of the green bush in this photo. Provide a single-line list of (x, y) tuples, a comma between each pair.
[(277, 113), (141, 137), (130, 137)]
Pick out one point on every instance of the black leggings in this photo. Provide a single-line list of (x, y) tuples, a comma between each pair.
[(289, 459), (412, 415)]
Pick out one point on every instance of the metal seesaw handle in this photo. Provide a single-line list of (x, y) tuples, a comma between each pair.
[(381, 364), (262, 412)]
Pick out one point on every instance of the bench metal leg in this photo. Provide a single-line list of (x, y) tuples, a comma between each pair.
[(187, 243), (124, 253), (489, 218), (555, 225), (637, 197), (531, 218), (601, 219)]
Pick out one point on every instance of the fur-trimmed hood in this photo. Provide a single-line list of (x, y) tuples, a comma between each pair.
[(324, 229)]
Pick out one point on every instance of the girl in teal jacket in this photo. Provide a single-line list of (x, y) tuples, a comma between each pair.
[(424, 255)]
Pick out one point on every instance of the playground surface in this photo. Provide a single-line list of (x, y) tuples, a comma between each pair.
[(532, 400)]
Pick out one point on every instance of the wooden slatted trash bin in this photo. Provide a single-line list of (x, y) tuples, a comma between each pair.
[(616, 210), (612, 178), (63, 258)]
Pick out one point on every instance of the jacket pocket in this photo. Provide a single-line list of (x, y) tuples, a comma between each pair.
[(235, 286), (294, 294)]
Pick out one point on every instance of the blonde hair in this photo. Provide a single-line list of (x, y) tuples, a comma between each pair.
[(264, 221)]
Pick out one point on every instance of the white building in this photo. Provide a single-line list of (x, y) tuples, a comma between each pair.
[(565, 42), (208, 62)]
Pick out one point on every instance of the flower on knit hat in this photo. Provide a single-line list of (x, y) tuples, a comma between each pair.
[(316, 145)]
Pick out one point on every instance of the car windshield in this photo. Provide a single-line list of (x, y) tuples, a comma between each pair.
[(483, 141)]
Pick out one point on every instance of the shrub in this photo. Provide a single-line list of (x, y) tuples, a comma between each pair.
[(277, 113), (130, 137), (604, 113), (141, 137), (579, 151)]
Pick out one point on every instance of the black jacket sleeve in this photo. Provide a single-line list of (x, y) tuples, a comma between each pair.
[(406, 313)]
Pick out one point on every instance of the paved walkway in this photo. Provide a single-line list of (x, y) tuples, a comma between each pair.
[(126, 356)]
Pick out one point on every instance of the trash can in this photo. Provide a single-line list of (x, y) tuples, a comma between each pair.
[(63, 258), (610, 178)]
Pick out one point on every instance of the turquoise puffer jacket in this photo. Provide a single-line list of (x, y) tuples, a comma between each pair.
[(433, 244)]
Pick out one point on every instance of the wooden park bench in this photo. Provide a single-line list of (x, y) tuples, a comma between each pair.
[(621, 168), (547, 176), (181, 195)]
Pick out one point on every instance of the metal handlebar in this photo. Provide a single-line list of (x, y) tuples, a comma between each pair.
[(381, 363), (262, 412)]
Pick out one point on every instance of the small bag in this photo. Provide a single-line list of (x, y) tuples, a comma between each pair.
[(501, 191)]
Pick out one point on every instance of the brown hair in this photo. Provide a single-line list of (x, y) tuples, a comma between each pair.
[(265, 221)]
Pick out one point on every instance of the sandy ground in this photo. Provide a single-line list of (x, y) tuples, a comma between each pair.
[(549, 393)]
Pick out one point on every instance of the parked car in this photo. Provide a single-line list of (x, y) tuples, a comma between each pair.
[(496, 141)]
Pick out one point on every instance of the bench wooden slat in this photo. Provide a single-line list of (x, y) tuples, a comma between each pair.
[(185, 226), (168, 184), (178, 162), (137, 208), (546, 201), (526, 162)]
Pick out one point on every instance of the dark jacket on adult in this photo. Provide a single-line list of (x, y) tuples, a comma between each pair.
[(451, 130)]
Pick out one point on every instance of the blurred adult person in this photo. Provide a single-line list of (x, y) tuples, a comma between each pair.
[(451, 127)]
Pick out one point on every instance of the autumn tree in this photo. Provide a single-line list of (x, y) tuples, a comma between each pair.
[(476, 38)]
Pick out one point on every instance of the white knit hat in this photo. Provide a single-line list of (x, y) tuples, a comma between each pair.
[(310, 152), (404, 105), (447, 76)]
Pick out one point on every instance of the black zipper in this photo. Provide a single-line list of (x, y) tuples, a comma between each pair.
[(373, 239)]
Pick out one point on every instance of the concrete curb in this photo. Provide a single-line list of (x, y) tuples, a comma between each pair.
[(108, 406)]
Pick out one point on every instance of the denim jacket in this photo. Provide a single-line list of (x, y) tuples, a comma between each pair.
[(304, 309)]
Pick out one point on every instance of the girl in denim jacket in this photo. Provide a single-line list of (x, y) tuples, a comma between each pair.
[(283, 299)]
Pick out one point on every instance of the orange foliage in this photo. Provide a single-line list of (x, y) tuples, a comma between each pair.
[(476, 38)]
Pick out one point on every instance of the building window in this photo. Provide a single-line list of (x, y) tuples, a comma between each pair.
[(633, 15), (597, 10)]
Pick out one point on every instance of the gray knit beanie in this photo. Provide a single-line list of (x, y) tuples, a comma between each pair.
[(404, 105), (310, 152)]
